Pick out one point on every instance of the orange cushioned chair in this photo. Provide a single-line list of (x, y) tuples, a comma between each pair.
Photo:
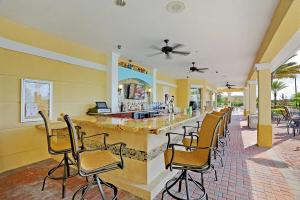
[(197, 159), (92, 162)]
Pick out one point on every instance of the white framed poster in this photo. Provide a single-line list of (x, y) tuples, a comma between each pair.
[(35, 95)]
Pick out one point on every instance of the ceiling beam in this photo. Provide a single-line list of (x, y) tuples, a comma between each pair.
[(277, 19)]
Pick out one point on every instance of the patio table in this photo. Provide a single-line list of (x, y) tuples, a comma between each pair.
[(295, 124)]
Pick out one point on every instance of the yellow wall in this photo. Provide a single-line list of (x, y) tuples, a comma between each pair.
[(204, 83), (30, 36), (161, 87), (75, 89), (183, 93), (165, 78)]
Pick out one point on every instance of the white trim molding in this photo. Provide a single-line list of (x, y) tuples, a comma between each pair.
[(252, 82), (166, 83), (196, 86), (291, 47), (263, 66), (25, 48)]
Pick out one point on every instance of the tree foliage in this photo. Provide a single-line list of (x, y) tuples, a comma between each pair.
[(276, 87)]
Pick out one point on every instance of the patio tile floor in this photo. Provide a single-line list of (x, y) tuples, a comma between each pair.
[(249, 172)]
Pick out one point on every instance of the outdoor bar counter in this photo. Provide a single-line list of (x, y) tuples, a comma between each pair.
[(144, 174)]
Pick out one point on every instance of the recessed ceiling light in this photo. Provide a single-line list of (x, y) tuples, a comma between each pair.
[(121, 3), (175, 6)]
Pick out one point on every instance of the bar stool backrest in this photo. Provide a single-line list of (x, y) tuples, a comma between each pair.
[(208, 134), (76, 149), (48, 131), (222, 123), (227, 116)]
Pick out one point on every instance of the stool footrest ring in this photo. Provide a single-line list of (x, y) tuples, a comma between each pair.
[(174, 183)]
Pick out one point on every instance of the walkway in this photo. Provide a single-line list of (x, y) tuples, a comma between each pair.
[(249, 172)]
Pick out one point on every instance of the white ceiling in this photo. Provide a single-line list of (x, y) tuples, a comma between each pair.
[(222, 35)]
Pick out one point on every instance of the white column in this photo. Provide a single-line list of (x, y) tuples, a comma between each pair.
[(229, 98), (112, 80), (264, 133), (246, 100), (216, 100), (252, 97), (154, 74)]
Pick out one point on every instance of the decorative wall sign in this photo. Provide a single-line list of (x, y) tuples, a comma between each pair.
[(35, 95), (135, 67)]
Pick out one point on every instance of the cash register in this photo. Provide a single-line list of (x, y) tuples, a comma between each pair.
[(101, 107)]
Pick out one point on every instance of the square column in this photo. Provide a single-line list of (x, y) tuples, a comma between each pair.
[(246, 101), (183, 93), (252, 97), (252, 117), (216, 100), (229, 98), (154, 76), (203, 99), (112, 80), (264, 127)]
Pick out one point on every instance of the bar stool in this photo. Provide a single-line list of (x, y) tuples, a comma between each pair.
[(54, 148), (92, 162), (197, 160), (227, 120), (221, 143)]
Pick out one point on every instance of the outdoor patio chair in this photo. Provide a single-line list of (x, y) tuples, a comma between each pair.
[(58, 148), (196, 159), (94, 161)]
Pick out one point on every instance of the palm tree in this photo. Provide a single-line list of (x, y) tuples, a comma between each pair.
[(276, 87), (297, 99), (288, 70)]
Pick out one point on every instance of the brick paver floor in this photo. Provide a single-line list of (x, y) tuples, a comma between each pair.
[(249, 172)]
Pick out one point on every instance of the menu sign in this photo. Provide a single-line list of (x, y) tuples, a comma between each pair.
[(36, 95)]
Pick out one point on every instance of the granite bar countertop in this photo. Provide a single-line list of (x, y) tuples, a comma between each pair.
[(155, 125)]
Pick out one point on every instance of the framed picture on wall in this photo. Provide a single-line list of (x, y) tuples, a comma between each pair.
[(35, 95)]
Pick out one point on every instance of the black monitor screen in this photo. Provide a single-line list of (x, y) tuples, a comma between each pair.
[(101, 104)]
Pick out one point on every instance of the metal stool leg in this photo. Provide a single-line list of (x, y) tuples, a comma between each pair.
[(216, 177), (187, 186), (100, 187), (50, 172)]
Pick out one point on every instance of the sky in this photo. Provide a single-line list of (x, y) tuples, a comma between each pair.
[(290, 82), (290, 90)]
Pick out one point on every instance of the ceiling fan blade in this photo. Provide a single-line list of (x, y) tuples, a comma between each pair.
[(202, 68), (155, 47), (185, 53), (155, 54), (177, 46), (200, 71), (168, 56)]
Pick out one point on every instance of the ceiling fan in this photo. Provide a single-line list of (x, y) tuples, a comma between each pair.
[(229, 86), (195, 69), (167, 50)]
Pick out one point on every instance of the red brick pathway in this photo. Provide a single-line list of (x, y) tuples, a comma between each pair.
[(249, 172)]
